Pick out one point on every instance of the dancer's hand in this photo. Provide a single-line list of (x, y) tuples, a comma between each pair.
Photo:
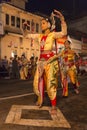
[(59, 15), (25, 25)]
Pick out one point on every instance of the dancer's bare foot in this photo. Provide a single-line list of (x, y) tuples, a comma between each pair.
[(38, 104), (53, 110)]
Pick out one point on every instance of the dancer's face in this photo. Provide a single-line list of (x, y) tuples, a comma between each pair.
[(67, 44), (44, 25)]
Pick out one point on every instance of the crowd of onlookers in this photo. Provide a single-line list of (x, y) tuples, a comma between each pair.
[(13, 67), (22, 68)]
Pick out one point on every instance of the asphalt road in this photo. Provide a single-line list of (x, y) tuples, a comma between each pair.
[(18, 110)]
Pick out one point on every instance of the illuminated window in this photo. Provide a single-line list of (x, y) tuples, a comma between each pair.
[(13, 53)]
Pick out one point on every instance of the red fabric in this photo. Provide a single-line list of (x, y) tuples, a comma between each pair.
[(53, 102), (41, 87), (78, 83), (46, 56), (66, 58), (42, 48), (71, 64), (43, 39)]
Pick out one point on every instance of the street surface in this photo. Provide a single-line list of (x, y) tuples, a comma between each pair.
[(18, 110)]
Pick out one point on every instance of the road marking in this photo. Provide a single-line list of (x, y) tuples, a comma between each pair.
[(17, 96), (14, 117)]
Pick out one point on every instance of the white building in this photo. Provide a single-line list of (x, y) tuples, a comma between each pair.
[(12, 42), (78, 29)]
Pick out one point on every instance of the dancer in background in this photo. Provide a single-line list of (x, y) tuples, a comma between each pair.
[(24, 67), (68, 68), (47, 67)]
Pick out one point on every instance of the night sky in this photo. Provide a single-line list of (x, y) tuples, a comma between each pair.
[(69, 7)]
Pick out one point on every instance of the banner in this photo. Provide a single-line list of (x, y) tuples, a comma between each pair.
[(60, 43)]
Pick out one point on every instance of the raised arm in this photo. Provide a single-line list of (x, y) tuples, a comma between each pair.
[(63, 31), (27, 33)]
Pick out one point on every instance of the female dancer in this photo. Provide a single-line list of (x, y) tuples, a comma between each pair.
[(68, 68), (47, 67)]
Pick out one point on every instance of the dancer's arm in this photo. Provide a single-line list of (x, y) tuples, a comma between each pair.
[(27, 33), (63, 31), (77, 55)]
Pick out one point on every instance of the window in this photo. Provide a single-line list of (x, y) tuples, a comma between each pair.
[(7, 19), (14, 53), (32, 26), (23, 20), (18, 22), (28, 22), (37, 27), (13, 20), (28, 27)]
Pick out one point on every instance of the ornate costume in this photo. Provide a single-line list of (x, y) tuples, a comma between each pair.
[(24, 69), (46, 73), (47, 66), (68, 70)]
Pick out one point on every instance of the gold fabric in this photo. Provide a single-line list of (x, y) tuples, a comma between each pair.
[(68, 71), (49, 68), (50, 39), (72, 72), (50, 74), (51, 79), (24, 69)]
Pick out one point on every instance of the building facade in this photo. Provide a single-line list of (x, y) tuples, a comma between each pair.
[(12, 41), (78, 30)]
